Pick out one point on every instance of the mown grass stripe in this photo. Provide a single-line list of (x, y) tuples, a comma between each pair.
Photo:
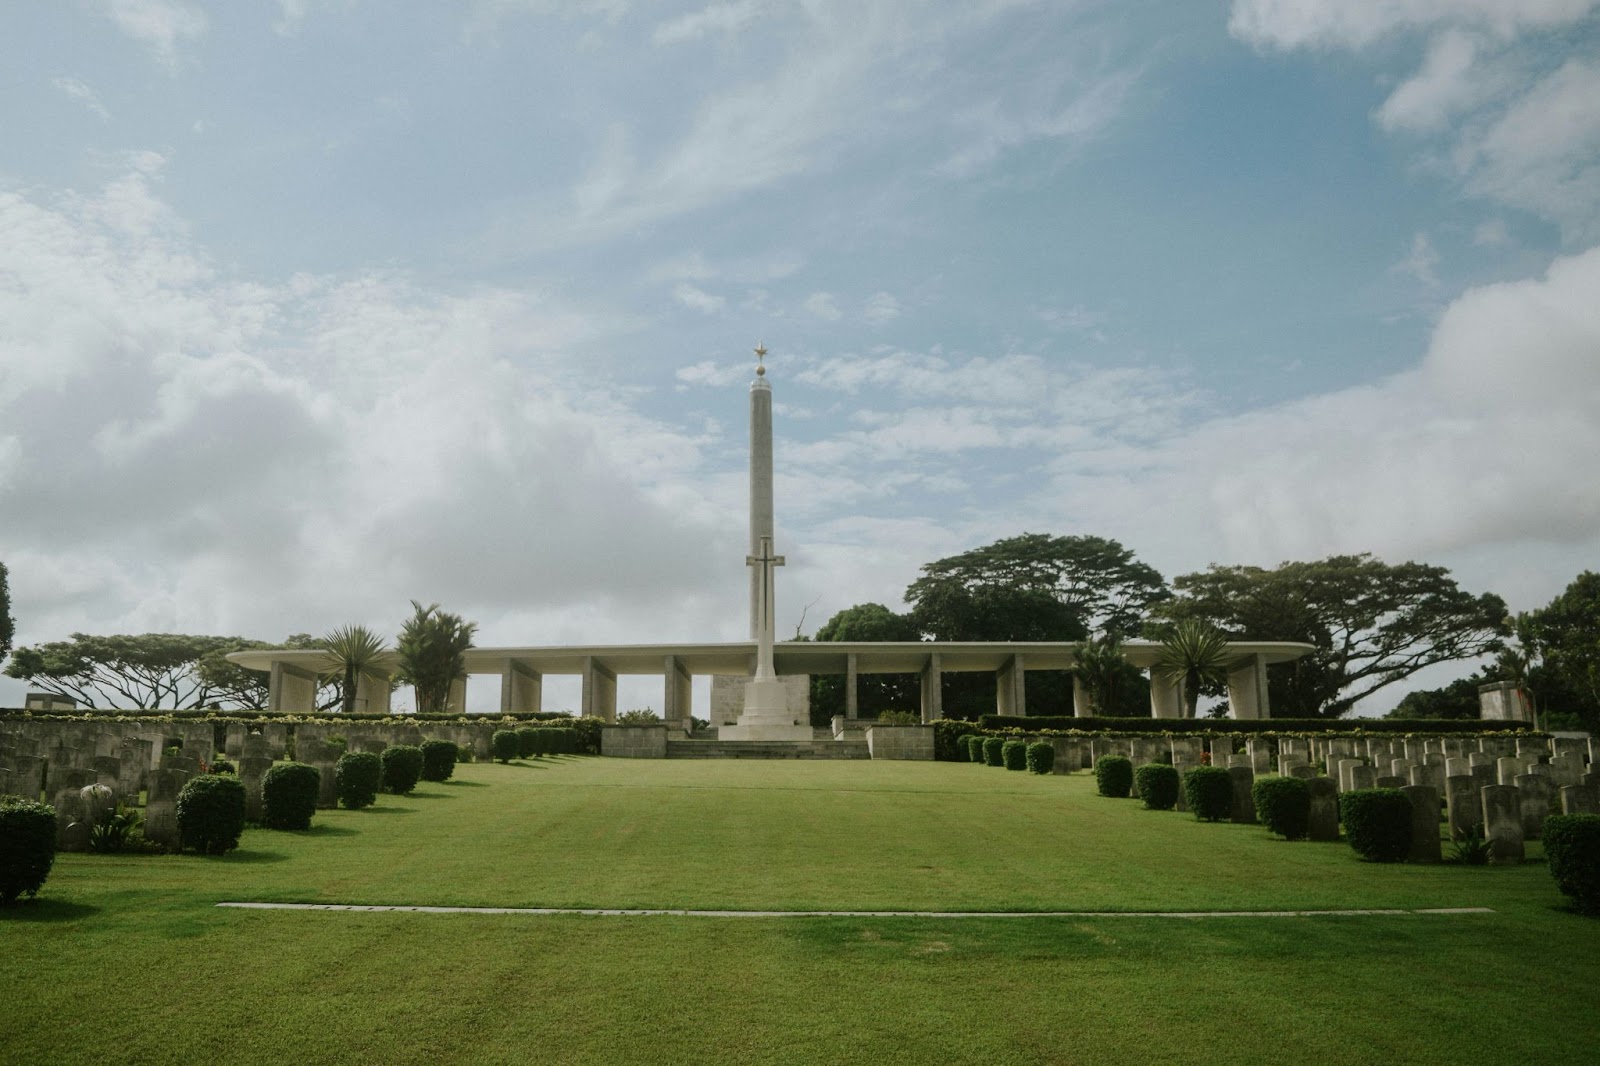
[(678, 913)]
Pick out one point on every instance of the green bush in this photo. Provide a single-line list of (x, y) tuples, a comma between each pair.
[(585, 733), (972, 744), (211, 813), (289, 795), (1572, 846), (899, 718), (1113, 776), (402, 768), (438, 760), (1377, 822), (503, 745), (527, 742), (1041, 756), (27, 847), (949, 739), (1157, 785), (1014, 753), (464, 753), (1208, 790), (223, 766), (356, 777), (1283, 805), (992, 748)]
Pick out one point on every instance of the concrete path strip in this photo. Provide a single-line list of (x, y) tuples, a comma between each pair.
[(643, 913)]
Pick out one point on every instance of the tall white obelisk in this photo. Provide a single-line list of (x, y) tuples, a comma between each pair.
[(766, 714)]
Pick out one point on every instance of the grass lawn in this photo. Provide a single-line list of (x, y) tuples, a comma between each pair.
[(124, 959)]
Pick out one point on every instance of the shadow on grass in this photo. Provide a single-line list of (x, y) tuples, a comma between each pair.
[(375, 809), (46, 910), (329, 831), (249, 857), (465, 784)]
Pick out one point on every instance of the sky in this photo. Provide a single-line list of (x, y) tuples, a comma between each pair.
[(311, 308)]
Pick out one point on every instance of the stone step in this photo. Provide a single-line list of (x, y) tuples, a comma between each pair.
[(767, 749)]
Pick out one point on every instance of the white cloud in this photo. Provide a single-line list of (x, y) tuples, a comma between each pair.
[(994, 129), (712, 374), (1446, 85), (1420, 262), (1357, 23), (724, 18), (1491, 233), (79, 90), (824, 306), (164, 26), (697, 299), (881, 307)]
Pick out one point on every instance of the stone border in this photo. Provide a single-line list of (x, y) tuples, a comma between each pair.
[(647, 913)]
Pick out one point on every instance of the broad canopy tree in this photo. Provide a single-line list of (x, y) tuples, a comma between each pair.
[(1372, 623), (144, 672), (8, 628), (875, 693)]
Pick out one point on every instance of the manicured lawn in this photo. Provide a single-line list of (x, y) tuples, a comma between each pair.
[(126, 959)]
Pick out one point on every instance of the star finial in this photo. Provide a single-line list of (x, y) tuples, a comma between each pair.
[(761, 354)]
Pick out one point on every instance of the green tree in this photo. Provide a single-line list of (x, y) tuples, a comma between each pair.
[(356, 651), (431, 650), (1566, 636), (1372, 623), (8, 627), (143, 672), (1456, 701), (1196, 655), (875, 693)]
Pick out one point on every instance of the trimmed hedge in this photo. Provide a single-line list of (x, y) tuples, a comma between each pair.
[(948, 737), (1572, 847), (1377, 822), (971, 747), (1041, 757), (1208, 791), (1157, 785), (357, 776), (992, 747), (289, 795), (1425, 726), (211, 813), (438, 760), (1283, 805), (504, 745), (527, 742), (1014, 753), (27, 847), (402, 768), (1113, 776)]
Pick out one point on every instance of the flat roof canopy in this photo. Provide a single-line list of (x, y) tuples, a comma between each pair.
[(789, 657)]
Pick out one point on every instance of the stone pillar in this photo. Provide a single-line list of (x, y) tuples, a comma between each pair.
[(1324, 821), (1247, 689), (1010, 687), (456, 701), (677, 704), (291, 689), (521, 689), (1082, 705), (1424, 822), (1244, 807), (932, 689), (599, 690), (1502, 823), (1166, 697), (852, 697), (1464, 803)]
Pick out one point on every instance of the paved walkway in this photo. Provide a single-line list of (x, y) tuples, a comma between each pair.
[(642, 913)]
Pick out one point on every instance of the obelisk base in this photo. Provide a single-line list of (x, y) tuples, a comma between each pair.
[(766, 715)]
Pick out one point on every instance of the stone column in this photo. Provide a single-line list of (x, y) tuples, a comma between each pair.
[(1082, 706), (1247, 689), (291, 689), (599, 690), (1424, 822), (1502, 823), (1010, 687), (932, 689), (1166, 697), (456, 701), (677, 701), (852, 704), (521, 689)]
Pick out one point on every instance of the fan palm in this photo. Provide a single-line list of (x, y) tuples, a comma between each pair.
[(1194, 654), (355, 651)]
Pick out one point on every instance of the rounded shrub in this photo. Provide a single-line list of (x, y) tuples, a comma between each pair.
[(1572, 847), (1113, 776), (1377, 822), (438, 760), (1283, 805), (1208, 791), (973, 744), (1014, 753), (289, 795), (1041, 756), (356, 777), (27, 847), (211, 813), (464, 753), (527, 742), (992, 747), (503, 745), (402, 768), (1157, 785)]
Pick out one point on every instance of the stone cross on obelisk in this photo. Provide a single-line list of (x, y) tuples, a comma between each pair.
[(766, 714)]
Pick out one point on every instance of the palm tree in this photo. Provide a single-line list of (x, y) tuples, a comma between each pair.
[(355, 651), (1099, 669), (1194, 654), (432, 649)]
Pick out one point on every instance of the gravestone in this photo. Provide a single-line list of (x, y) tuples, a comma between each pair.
[(1533, 747), (1389, 781), (254, 746), (1287, 763), (1430, 774), (1187, 749), (1362, 776), (72, 821), (1454, 748), (1534, 795), (1324, 820), (324, 756), (277, 737), (1424, 822), (1478, 758), (1415, 748), (252, 769), (1402, 767), (98, 801), (1502, 823), (1146, 750), (1221, 750), (1465, 805), (1580, 799), (161, 809), (1457, 767), (1506, 769), (1244, 808), (1302, 771), (1566, 769), (1345, 766), (27, 776), (233, 741), (1240, 758)]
